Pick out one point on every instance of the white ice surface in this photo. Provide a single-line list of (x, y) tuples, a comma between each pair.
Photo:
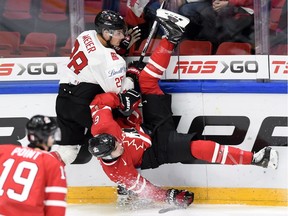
[(193, 210)]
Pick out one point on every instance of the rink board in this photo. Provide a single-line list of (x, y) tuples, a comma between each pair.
[(247, 196), (245, 113), (211, 183)]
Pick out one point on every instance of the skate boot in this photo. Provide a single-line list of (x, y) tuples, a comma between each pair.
[(172, 23), (266, 157)]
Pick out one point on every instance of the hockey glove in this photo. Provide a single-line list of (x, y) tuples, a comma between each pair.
[(134, 69), (181, 198), (132, 37), (135, 35), (122, 49), (129, 101)]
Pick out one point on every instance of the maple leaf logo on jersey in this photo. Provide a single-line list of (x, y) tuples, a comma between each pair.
[(114, 56), (132, 142), (132, 3)]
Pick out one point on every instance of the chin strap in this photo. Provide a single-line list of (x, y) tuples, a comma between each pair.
[(108, 41)]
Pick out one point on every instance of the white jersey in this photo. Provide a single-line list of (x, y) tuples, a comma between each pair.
[(91, 62)]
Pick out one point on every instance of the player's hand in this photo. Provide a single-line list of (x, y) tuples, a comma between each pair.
[(134, 34), (137, 64), (135, 68), (129, 101), (182, 198), (132, 37)]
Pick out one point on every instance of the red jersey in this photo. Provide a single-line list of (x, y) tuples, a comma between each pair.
[(32, 182), (123, 171), (135, 141)]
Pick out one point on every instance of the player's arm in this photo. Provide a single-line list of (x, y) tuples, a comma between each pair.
[(109, 99), (103, 122), (55, 187), (126, 102), (125, 174)]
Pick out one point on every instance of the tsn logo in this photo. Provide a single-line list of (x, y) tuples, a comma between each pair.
[(280, 67), (6, 69)]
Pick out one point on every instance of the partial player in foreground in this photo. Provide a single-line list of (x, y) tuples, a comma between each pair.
[(126, 144), (33, 182)]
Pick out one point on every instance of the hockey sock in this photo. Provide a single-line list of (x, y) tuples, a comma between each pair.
[(161, 56), (213, 152), (155, 68)]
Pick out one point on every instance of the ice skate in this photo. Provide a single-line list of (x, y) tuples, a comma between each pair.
[(266, 157), (172, 23)]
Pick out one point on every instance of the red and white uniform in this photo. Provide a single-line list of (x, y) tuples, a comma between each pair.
[(124, 170), (91, 62), (135, 141), (32, 182)]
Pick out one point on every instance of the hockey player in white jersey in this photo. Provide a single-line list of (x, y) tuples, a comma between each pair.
[(93, 59), (94, 67)]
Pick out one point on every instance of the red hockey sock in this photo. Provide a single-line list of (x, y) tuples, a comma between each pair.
[(149, 84), (155, 68), (161, 55), (214, 153)]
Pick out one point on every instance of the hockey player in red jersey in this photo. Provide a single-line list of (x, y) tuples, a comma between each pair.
[(124, 145), (32, 181)]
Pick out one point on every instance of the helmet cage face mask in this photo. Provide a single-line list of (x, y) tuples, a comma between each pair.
[(102, 145)]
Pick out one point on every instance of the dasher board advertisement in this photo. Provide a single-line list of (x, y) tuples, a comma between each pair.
[(248, 67)]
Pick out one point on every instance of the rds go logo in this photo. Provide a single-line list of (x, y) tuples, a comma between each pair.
[(6, 69)]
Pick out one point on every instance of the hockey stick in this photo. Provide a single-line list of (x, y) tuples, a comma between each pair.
[(164, 210), (150, 36)]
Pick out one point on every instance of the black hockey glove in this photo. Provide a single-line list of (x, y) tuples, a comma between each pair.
[(134, 70), (129, 101), (134, 34), (181, 198), (123, 47)]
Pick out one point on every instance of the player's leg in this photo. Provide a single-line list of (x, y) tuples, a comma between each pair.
[(215, 153), (157, 105), (72, 119), (173, 24)]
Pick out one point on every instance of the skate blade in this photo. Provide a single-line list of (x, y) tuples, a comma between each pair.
[(274, 159), (178, 19)]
